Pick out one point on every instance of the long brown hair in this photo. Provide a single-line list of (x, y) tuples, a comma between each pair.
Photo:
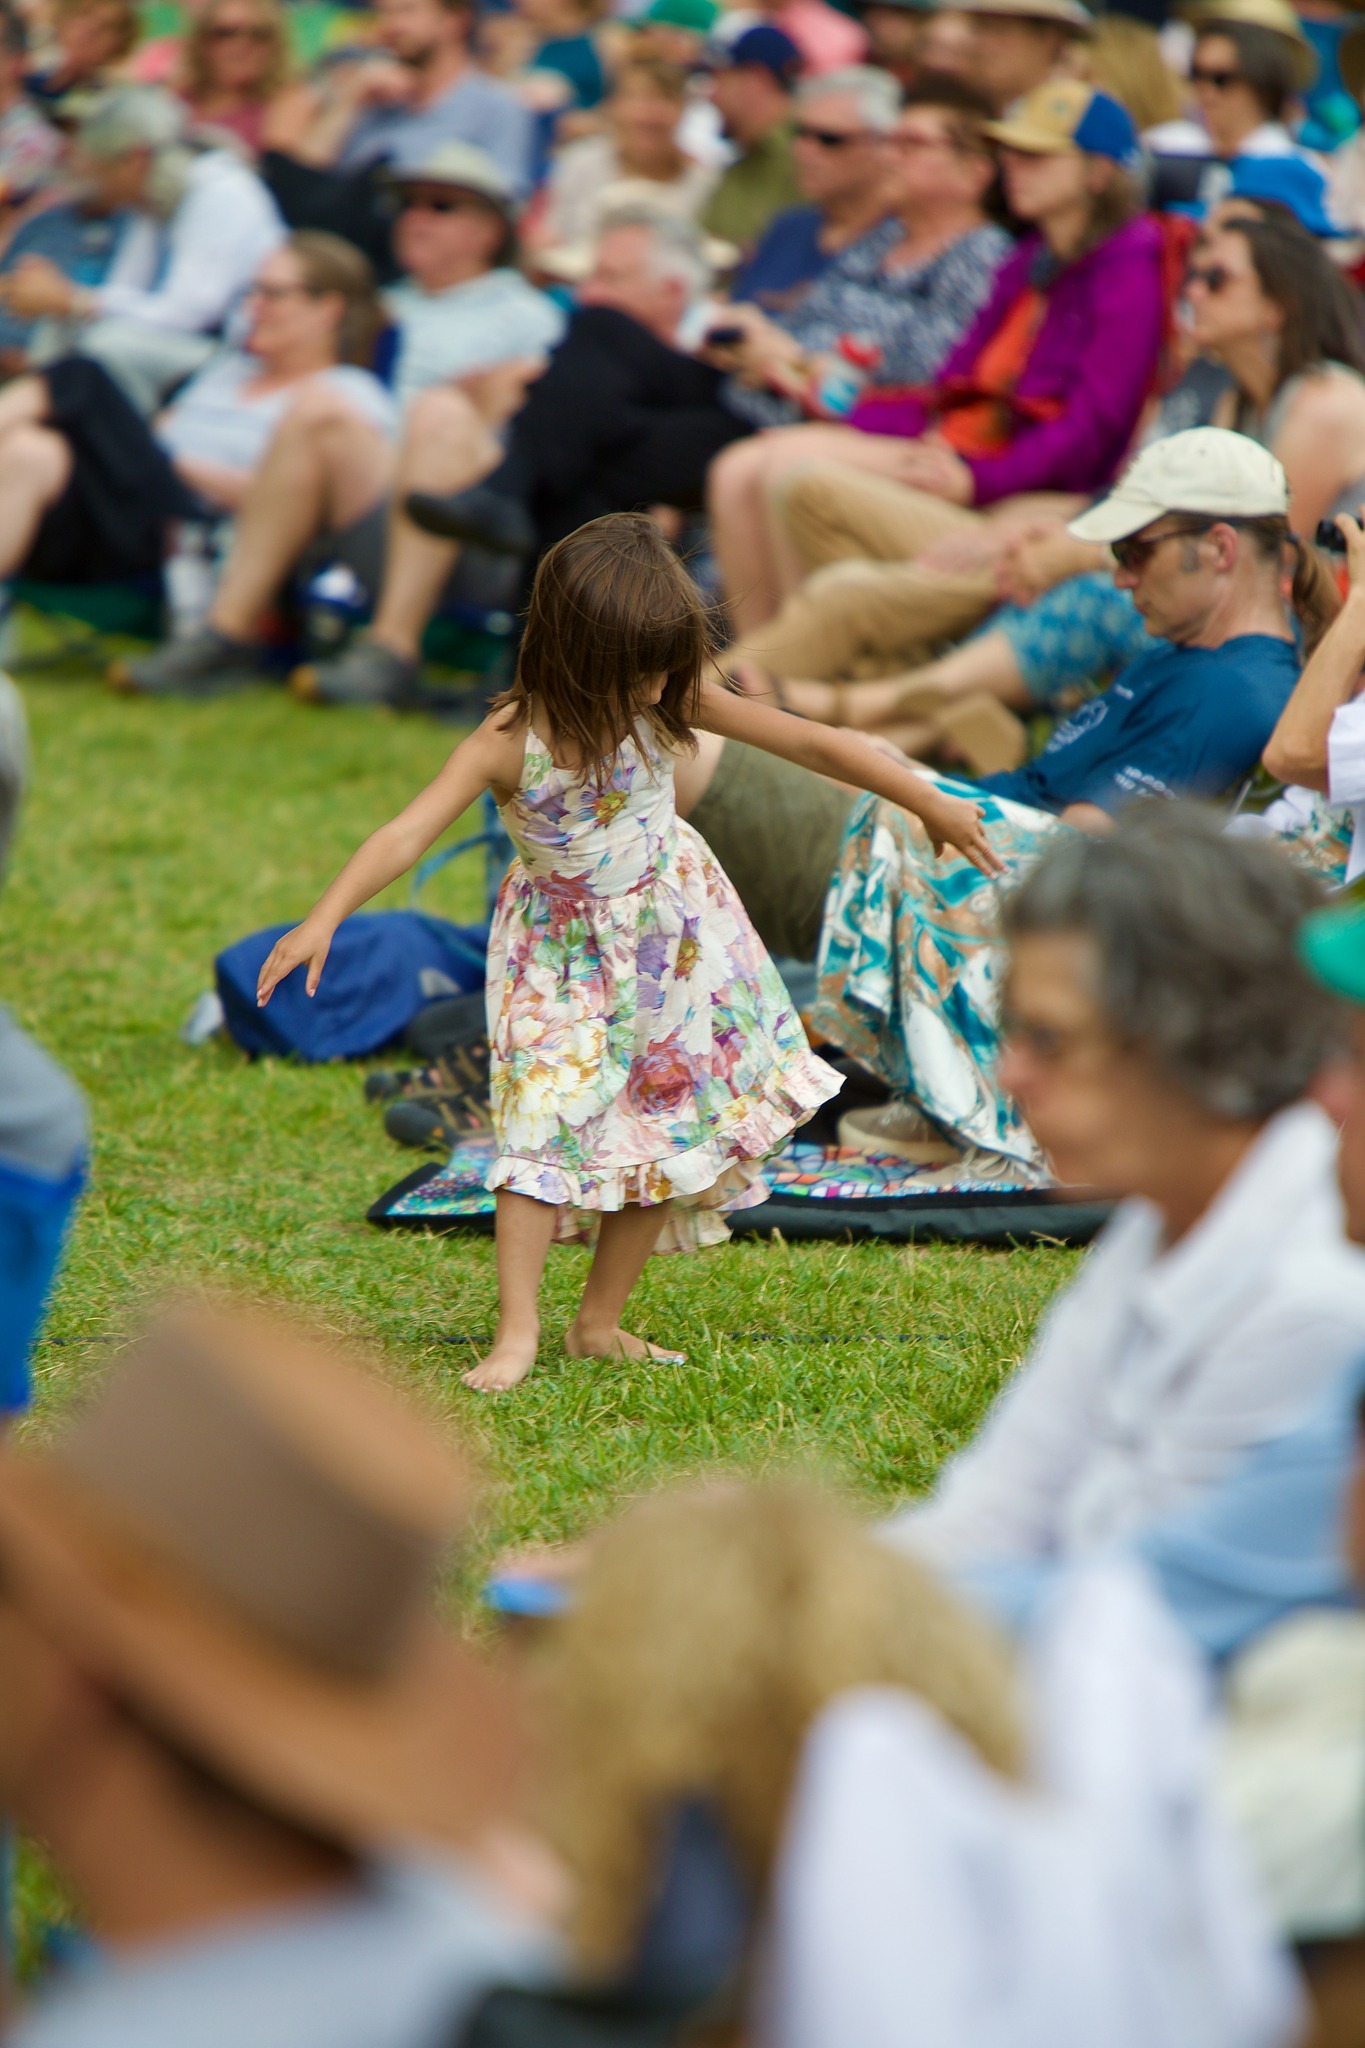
[(612, 608), (1314, 595), (1322, 321), (334, 268)]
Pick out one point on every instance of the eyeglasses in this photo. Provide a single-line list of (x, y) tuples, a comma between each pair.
[(1219, 80), (907, 139), (1215, 277), (442, 202), (830, 138), (1132, 555), (1049, 1043), (240, 32)]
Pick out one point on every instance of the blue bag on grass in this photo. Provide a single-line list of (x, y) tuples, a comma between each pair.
[(384, 966)]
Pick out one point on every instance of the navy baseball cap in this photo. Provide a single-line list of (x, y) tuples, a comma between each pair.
[(763, 45)]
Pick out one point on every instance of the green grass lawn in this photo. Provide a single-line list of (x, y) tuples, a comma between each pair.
[(156, 834)]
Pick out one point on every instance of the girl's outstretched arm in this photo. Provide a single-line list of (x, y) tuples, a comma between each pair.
[(849, 757), (493, 754)]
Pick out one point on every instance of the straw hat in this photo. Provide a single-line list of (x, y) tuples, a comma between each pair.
[(1276, 15), (240, 1537), (1067, 13)]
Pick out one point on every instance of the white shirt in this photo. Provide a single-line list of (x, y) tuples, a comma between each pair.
[(584, 182), (491, 319), (1346, 775), (397, 1964), (216, 418), (1157, 1369), (214, 243), (922, 1901)]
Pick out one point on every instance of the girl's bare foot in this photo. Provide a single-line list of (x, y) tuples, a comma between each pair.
[(507, 1364), (617, 1343)]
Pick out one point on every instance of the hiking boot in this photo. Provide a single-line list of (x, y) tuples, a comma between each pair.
[(205, 664), (363, 673), (897, 1130), (480, 517), (437, 1124), (464, 1072)]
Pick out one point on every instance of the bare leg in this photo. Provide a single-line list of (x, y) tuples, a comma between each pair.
[(447, 445), (325, 466), (986, 664), (36, 464), (625, 1241), (759, 562), (23, 403), (740, 536), (525, 1233)]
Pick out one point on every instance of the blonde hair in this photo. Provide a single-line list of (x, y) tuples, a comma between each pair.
[(1124, 56), (198, 80), (711, 1626)]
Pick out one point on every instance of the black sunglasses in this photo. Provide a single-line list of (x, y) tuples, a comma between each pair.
[(442, 202), (1215, 277), (830, 138), (1132, 555), (1219, 80)]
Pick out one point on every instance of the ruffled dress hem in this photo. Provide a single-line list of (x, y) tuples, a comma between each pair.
[(724, 1171)]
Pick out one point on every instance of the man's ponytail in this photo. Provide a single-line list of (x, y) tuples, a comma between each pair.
[(1315, 596)]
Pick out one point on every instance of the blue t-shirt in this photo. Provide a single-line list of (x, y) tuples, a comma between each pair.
[(1182, 721), (787, 260)]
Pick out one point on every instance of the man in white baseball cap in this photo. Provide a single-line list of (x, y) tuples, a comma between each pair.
[(1207, 470), (1199, 530)]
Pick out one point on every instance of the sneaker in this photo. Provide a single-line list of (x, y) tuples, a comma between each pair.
[(480, 517), (364, 673), (897, 1130), (205, 664)]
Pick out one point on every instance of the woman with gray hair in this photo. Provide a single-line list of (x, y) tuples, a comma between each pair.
[(1161, 1036), (207, 223)]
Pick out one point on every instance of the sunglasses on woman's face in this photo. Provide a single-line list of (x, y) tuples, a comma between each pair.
[(240, 32), (1219, 80), (440, 202), (1132, 555), (830, 138), (1215, 277)]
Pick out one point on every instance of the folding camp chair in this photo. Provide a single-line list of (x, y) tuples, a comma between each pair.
[(82, 616), (497, 851)]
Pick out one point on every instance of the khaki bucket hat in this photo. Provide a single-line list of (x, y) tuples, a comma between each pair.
[(240, 1538)]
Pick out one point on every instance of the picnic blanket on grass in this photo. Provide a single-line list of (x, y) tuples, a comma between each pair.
[(817, 1191)]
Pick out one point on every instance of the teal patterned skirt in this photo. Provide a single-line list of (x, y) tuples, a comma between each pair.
[(910, 966)]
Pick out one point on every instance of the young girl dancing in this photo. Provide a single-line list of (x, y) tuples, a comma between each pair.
[(645, 1056)]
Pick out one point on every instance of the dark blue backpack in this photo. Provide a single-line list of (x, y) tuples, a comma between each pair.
[(384, 966)]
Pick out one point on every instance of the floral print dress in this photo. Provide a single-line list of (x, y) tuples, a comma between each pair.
[(644, 1045)]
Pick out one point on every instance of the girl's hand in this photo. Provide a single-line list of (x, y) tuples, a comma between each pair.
[(307, 942), (956, 821)]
